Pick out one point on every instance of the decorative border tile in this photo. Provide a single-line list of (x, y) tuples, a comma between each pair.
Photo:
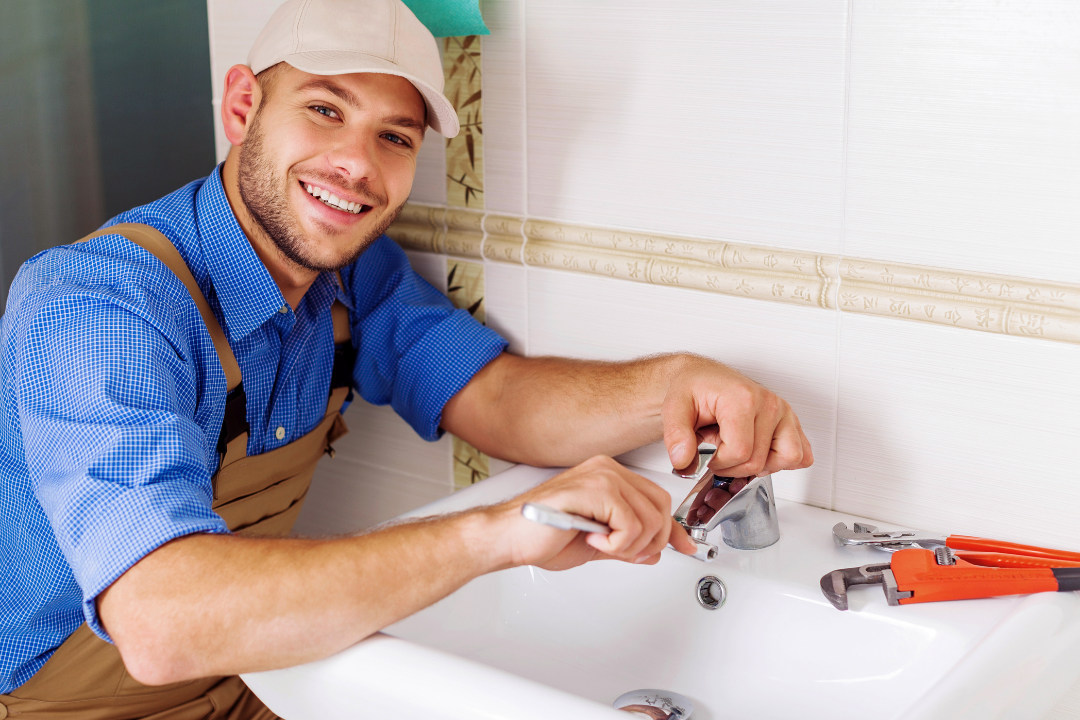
[(991, 303), (975, 301)]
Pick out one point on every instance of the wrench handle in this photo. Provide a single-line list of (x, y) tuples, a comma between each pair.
[(967, 542), (1004, 560)]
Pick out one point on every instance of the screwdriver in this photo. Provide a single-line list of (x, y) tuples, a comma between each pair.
[(551, 517)]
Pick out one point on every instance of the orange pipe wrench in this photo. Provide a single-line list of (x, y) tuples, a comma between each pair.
[(960, 568)]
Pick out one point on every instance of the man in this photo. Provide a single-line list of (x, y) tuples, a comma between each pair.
[(166, 396)]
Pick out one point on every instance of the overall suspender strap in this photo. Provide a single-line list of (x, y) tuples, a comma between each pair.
[(162, 248), (235, 425)]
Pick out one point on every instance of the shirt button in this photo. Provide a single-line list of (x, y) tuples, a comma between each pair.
[(284, 310), (280, 433)]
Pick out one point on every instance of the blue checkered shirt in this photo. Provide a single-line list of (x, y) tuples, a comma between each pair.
[(112, 395)]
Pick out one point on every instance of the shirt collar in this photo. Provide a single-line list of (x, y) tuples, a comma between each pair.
[(248, 295)]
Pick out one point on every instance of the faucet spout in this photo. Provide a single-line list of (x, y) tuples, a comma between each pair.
[(747, 521)]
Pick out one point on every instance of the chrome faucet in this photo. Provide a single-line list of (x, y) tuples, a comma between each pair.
[(747, 521)]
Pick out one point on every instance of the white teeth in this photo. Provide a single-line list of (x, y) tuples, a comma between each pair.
[(333, 200)]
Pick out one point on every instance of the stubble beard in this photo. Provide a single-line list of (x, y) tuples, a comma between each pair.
[(265, 195)]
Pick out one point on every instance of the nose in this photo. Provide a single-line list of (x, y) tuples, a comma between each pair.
[(355, 157)]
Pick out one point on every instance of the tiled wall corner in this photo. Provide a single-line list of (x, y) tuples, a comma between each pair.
[(964, 135)]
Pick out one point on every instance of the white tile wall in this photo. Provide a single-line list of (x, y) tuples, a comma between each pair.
[(506, 303), (709, 119), (429, 185), (430, 267), (959, 431), (964, 135), (382, 469), (585, 316), (504, 106)]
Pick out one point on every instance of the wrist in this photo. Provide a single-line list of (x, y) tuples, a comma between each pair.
[(661, 374), (486, 535)]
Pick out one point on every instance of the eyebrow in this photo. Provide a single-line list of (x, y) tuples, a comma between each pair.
[(406, 122), (350, 98)]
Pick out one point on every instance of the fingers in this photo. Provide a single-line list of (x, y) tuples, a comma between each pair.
[(775, 443), (787, 449), (739, 426), (754, 430), (644, 531), (637, 510), (680, 540), (680, 415)]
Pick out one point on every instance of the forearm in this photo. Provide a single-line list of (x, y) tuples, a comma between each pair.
[(221, 605), (554, 411)]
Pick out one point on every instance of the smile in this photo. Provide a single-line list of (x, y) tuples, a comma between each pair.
[(329, 198)]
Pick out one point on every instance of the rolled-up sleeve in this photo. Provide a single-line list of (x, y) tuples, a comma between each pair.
[(116, 459), (416, 351)]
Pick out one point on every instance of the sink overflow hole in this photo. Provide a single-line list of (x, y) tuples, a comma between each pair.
[(711, 592)]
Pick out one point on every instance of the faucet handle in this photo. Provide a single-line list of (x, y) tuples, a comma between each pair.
[(696, 471)]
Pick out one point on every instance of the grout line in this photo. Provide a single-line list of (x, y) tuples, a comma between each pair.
[(524, 113), (522, 14), (848, 25)]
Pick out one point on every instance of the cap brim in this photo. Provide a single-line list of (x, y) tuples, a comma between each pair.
[(442, 117)]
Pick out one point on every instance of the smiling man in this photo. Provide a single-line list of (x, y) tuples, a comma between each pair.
[(169, 383)]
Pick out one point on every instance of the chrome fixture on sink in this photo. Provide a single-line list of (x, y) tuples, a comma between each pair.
[(711, 592), (747, 521), (658, 704)]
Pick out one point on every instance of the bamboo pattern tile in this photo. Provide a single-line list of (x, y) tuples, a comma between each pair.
[(465, 288), (465, 153)]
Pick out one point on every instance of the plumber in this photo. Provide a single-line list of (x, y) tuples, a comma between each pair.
[(169, 384)]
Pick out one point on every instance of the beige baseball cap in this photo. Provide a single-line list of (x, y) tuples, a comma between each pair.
[(335, 37)]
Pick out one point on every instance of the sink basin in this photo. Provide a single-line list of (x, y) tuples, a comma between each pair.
[(527, 643)]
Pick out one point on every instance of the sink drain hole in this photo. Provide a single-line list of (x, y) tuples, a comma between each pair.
[(711, 592)]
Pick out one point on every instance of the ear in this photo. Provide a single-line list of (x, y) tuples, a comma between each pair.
[(239, 102)]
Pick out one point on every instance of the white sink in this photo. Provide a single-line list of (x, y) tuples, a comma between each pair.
[(527, 643)]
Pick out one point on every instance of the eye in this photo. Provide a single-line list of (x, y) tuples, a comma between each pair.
[(323, 110), (397, 139)]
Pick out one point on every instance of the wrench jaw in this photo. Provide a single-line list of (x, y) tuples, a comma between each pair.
[(835, 585), (888, 540)]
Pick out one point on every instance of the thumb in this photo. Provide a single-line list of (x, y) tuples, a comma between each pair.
[(680, 430)]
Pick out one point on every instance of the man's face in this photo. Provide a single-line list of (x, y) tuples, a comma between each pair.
[(353, 136)]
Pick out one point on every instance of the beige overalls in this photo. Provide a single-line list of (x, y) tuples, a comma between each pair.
[(260, 495)]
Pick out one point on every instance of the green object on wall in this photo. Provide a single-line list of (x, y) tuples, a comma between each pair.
[(449, 18)]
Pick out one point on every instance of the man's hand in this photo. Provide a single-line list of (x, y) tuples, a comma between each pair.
[(637, 510), (554, 411), (755, 431)]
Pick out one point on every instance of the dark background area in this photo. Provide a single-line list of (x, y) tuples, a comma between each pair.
[(104, 105)]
